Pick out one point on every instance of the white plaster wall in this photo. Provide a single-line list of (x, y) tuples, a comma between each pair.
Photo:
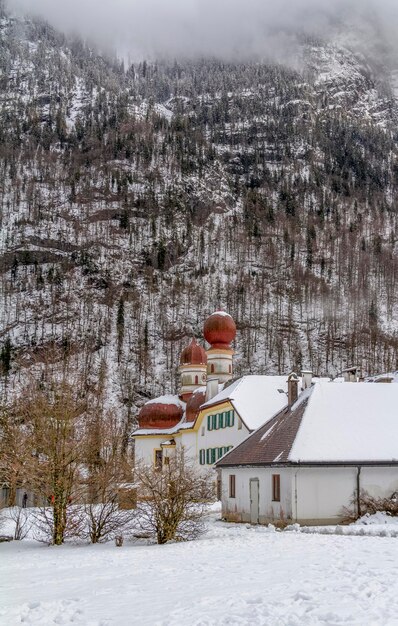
[(230, 436), (308, 495), (319, 494), (379, 482), (238, 508), (144, 447), (188, 440)]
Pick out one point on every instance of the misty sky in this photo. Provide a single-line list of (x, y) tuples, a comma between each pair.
[(224, 28)]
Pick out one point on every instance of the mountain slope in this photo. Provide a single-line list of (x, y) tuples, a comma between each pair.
[(135, 202)]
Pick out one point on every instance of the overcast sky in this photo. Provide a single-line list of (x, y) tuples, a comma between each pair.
[(224, 28)]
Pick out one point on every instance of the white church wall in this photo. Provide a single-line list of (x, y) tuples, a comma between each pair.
[(219, 439), (145, 447), (188, 441)]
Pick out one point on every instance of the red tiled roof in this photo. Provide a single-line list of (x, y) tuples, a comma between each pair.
[(270, 443)]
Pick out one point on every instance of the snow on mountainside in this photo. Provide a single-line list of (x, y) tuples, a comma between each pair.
[(134, 202)]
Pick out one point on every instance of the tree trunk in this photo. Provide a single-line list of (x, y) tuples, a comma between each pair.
[(59, 511)]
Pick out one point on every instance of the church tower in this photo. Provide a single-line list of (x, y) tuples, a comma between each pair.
[(219, 331), (193, 365)]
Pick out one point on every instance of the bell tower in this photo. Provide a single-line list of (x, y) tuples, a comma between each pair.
[(219, 331), (193, 365)]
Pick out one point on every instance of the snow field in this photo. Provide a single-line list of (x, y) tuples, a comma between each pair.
[(234, 574)]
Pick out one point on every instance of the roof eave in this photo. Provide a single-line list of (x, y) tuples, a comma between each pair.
[(392, 463)]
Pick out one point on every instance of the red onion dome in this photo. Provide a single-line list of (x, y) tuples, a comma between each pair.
[(219, 330), (193, 354), (194, 403), (163, 412)]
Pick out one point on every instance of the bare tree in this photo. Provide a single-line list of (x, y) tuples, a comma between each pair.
[(14, 455), (108, 470), (173, 499), (53, 420)]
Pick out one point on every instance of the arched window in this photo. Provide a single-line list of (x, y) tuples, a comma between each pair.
[(196, 380), (212, 368)]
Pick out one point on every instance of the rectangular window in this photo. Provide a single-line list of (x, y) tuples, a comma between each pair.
[(166, 460), (158, 459), (276, 487), (213, 455), (220, 452), (216, 421), (232, 486), (208, 456), (202, 457), (221, 420), (232, 418), (209, 422)]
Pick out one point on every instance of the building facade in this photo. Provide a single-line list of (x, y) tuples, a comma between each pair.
[(312, 461)]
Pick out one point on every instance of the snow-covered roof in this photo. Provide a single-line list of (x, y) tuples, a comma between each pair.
[(346, 423), (167, 399), (256, 398), (350, 422)]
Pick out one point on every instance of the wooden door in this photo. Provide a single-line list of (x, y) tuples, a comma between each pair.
[(254, 500)]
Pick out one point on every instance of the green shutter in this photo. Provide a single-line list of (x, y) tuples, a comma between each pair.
[(213, 455), (208, 456), (215, 422), (202, 457), (209, 422), (220, 452), (232, 418)]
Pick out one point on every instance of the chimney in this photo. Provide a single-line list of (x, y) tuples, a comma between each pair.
[(292, 388), (211, 388), (306, 376)]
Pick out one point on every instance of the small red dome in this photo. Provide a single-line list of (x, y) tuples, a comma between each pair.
[(163, 412), (194, 403), (193, 354), (219, 330)]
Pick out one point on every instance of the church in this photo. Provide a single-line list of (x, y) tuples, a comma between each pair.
[(212, 412)]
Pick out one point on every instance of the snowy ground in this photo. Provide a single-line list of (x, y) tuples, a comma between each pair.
[(233, 575)]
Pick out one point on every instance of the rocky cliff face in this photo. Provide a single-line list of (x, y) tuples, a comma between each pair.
[(134, 201)]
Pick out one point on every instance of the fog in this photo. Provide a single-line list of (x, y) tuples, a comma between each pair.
[(220, 28)]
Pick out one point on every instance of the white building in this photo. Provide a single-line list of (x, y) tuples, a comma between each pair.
[(315, 457)]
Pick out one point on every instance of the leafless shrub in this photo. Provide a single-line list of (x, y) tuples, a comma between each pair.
[(22, 520), (43, 523), (106, 521), (369, 505), (173, 500)]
